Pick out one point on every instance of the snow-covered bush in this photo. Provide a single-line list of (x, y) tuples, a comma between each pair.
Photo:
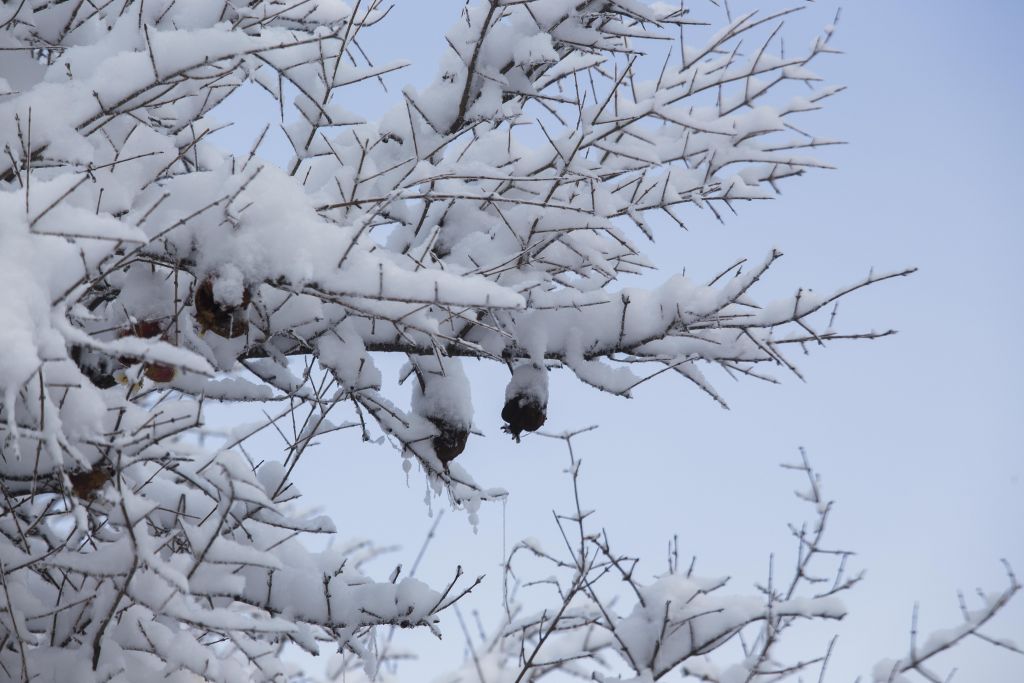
[(145, 271)]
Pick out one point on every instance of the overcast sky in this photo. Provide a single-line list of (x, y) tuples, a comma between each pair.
[(917, 436)]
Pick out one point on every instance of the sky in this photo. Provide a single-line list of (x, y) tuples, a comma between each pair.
[(917, 436)]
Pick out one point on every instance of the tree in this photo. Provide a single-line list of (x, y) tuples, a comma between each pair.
[(493, 215)]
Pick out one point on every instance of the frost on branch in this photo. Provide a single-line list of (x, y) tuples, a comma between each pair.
[(491, 214)]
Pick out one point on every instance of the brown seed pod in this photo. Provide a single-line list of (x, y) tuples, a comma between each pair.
[(94, 366), (523, 413), (227, 321), (148, 329), (145, 329), (526, 399), (158, 372), (450, 442), (85, 484)]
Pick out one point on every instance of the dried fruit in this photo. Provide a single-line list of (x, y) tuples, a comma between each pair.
[(526, 399), (523, 413), (450, 441), (85, 484), (148, 329), (145, 329), (226, 321), (94, 366), (158, 372)]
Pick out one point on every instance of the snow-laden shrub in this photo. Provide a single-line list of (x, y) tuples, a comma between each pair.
[(144, 271)]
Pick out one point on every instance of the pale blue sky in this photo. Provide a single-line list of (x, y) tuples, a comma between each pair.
[(917, 436)]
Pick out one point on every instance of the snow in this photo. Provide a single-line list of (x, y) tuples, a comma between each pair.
[(529, 379), (442, 390), (444, 230), (535, 50)]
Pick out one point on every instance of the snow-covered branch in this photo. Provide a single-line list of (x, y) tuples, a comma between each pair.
[(501, 212), (490, 214)]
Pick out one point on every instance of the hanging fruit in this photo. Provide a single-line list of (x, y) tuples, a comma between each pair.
[(450, 440), (441, 395), (85, 484), (148, 329), (229, 321), (526, 399), (158, 372), (94, 366)]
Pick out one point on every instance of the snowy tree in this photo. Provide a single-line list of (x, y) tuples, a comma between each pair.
[(497, 214)]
